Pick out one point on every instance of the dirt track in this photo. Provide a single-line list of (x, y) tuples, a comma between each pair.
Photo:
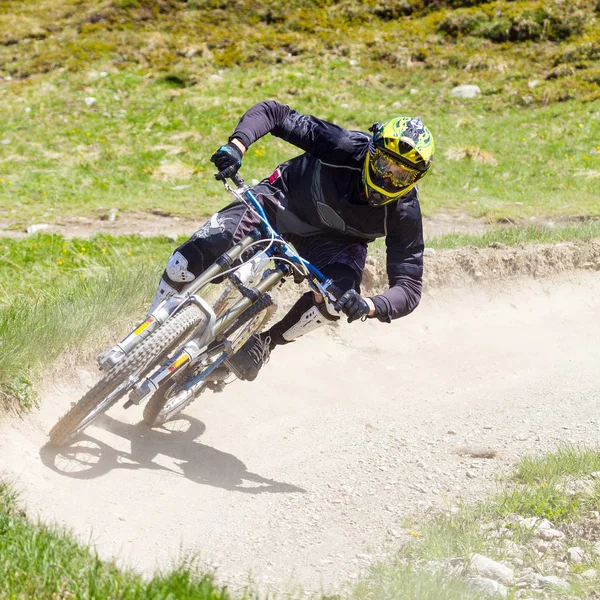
[(306, 475)]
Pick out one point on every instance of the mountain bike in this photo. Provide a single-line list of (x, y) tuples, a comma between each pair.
[(182, 348)]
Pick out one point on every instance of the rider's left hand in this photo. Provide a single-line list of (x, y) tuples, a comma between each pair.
[(228, 159), (353, 305)]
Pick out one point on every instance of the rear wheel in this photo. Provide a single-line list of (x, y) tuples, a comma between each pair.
[(117, 381), (172, 399)]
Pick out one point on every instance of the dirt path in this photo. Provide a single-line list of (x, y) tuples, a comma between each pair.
[(306, 475), (156, 224)]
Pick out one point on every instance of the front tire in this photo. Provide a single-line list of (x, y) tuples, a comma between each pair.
[(106, 392)]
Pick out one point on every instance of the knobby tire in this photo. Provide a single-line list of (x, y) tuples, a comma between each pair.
[(141, 358)]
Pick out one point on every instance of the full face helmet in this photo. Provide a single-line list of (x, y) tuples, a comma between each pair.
[(399, 156)]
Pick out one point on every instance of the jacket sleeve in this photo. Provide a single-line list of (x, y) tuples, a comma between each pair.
[(404, 244), (315, 136)]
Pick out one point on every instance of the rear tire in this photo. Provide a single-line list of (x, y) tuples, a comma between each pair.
[(141, 359)]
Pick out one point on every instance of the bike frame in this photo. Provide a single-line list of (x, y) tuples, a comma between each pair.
[(284, 257)]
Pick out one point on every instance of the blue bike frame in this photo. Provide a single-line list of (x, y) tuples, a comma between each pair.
[(318, 281)]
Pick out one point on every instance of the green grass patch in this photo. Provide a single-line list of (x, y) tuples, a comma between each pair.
[(78, 316), (546, 501), (62, 294), (564, 462), (512, 236), (45, 563), (36, 266), (405, 582), (121, 104)]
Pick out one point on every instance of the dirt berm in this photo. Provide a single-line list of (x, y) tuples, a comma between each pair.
[(496, 263)]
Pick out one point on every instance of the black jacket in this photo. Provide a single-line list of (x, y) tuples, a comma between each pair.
[(324, 189)]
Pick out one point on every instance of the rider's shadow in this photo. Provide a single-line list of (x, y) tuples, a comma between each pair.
[(87, 457)]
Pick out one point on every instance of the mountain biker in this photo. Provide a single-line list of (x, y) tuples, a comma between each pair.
[(346, 190)]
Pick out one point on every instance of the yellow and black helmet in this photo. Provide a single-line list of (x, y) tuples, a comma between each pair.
[(399, 156)]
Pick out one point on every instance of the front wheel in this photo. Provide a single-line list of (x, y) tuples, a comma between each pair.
[(125, 374)]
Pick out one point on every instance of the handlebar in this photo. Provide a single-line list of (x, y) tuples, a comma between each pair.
[(330, 288)]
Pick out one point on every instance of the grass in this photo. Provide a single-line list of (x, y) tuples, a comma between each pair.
[(565, 461), (47, 564), (168, 86), (35, 266), (60, 295), (512, 236), (77, 317)]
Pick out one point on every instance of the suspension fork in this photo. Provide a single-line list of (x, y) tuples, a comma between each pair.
[(194, 348), (166, 308)]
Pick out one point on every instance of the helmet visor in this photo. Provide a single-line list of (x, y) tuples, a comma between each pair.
[(391, 175)]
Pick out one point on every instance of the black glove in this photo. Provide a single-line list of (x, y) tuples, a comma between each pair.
[(228, 159), (353, 305)]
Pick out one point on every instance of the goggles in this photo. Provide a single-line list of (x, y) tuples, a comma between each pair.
[(391, 175)]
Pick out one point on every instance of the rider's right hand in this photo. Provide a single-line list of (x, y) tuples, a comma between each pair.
[(228, 159)]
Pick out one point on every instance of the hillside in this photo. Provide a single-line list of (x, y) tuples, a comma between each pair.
[(114, 103)]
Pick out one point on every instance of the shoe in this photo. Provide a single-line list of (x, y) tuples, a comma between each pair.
[(248, 360)]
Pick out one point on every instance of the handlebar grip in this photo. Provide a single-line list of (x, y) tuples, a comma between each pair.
[(335, 291), (237, 180)]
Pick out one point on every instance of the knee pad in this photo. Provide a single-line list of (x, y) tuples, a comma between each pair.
[(177, 269)]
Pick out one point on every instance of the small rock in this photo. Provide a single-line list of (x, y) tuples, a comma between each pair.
[(366, 557), (215, 78), (90, 100), (529, 580), (103, 74), (5, 142), (595, 475), (590, 574), (575, 555), (37, 227), (533, 83), (352, 62), (541, 547), (413, 91), (545, 524), (86, 379), (556, 545), (490, 569), (550, 534), (511, 548), (465, 91), (528, 522), (552, 581), (429, 252), (489, 587)]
